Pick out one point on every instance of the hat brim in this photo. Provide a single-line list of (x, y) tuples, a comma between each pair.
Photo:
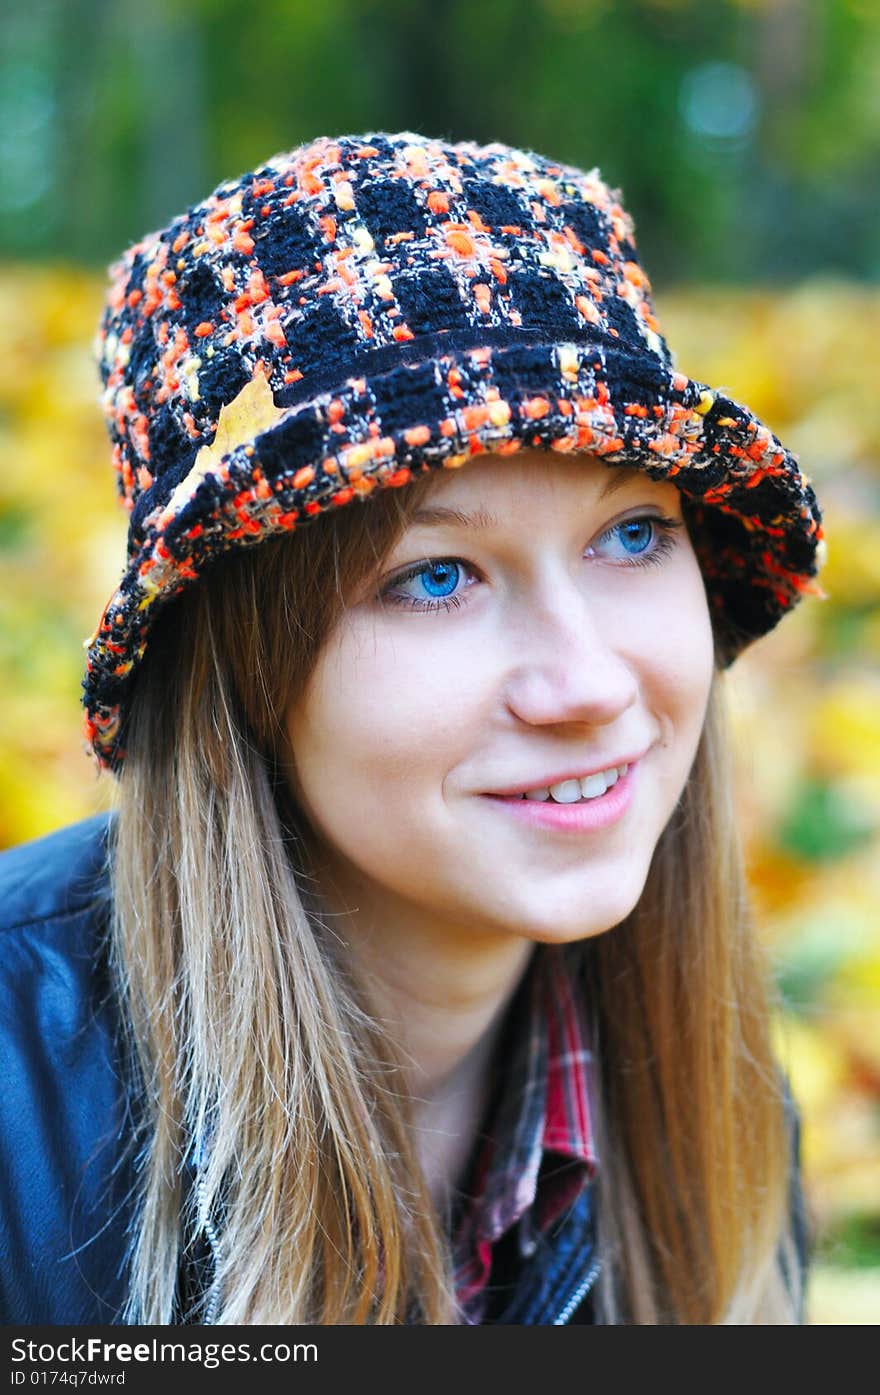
[(755, 522)]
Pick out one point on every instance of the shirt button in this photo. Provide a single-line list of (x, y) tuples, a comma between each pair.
[(527, 1242)]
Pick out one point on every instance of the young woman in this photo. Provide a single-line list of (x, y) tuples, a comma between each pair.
[(412, 978)]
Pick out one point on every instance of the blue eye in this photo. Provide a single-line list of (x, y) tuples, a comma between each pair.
[(439, 578), (645, 541), (635, 531)]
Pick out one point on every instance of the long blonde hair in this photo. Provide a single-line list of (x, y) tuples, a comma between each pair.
[(251, 1041)]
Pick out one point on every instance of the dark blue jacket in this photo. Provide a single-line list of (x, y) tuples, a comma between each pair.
[(67, 1117), (63, 1176)]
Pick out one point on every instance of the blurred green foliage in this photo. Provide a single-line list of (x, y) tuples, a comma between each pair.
[(745, 134)]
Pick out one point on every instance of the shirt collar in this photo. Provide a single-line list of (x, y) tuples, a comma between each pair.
[(537, 1151)]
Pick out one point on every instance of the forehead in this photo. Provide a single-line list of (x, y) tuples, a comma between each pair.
[(493, 487)]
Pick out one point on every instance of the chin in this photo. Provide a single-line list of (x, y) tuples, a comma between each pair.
[(564, 924), (571, 934)]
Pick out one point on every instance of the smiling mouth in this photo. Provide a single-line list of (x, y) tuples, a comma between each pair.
[(574, 790), (577, 791), (579, 814)]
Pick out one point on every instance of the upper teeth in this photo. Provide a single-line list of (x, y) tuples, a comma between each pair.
[(570, 791)]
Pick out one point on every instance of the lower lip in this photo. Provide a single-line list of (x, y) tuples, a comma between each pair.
[(586, 815)]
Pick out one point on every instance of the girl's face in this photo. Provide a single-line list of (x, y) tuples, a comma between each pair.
[(540, 618)]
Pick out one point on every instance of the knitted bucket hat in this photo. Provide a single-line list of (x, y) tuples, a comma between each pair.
[(368, 307)]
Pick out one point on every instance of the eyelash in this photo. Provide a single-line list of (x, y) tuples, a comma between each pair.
[(664, 543)]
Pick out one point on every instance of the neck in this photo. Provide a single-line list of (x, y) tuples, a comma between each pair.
[(442, 991)]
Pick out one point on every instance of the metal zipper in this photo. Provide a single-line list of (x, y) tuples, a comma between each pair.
[(211, 1311), (210, 1233), (578, 1297)]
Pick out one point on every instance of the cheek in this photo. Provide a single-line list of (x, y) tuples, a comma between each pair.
[(375, 727), (682, 665), (670, 645)]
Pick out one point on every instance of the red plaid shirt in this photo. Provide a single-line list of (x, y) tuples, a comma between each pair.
[(537, 1152)]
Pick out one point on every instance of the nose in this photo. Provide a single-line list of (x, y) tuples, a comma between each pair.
[(569, 662)]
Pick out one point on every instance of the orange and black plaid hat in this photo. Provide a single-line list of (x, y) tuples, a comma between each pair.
[(369, 307)]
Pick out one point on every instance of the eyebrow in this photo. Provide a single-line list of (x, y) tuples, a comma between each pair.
[(481, 520)]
